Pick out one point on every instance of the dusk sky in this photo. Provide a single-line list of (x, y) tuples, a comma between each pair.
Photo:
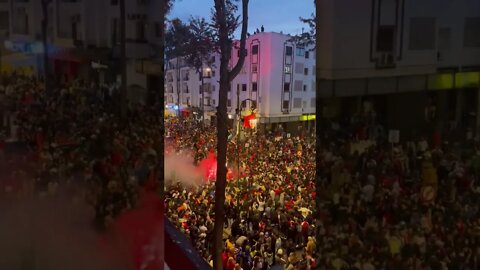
[(274, 15)]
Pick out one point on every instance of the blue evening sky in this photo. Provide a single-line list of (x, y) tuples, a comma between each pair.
[(274, 15)]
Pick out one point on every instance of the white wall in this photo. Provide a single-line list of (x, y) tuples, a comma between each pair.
[(344, 38)]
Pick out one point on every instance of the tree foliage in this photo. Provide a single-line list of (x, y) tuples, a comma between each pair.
[(177, 38), (201, 43), (307, 38)]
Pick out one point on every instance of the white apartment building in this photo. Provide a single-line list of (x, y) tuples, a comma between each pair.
[(402, 56), (81, 32), (277, 79)]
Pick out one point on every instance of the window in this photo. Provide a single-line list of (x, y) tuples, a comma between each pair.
[(286, 104), (213, 88), (21, 22), (253, 104), (140, 30), (298, 86), (305, 71), (471, 38), (200, 89), (288, 51), (297, 103), (313, 102), (385, 39), (4, 20), (254, 68), (213, 73), (115, 37), (444, 38), (299, 68), (300, 51), (286, 87), (288, 69), (74, 30), (158, 30), (422, 34), (307, 54), (229, 103), (255, 49), (254, 87), (213, 102), (244, 87), (304, 88), (213, 59)]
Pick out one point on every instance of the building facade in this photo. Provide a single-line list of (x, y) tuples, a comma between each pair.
[(277, 82), (81, 32), (404, 58)]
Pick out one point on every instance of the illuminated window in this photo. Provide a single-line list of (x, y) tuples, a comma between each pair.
[(288, 69)]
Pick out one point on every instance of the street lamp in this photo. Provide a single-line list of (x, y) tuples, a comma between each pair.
[(238, 134)]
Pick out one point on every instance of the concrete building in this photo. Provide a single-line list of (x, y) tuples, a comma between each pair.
[(406, 58), (277, 80), (84, 31)]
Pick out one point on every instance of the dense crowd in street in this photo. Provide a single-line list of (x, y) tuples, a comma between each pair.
[(413, 205), (268, 205)]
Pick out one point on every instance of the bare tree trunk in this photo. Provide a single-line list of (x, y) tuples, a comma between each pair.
[(123, 62), (225, 78)]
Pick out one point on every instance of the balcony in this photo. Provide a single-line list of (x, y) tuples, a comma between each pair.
[(385, 60)]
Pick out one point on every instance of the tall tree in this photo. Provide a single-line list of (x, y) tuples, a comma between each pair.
[(200, 50), (225, 22), (46, 67), (177, 38)]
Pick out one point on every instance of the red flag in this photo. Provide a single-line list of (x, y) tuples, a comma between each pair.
[(246, 120)]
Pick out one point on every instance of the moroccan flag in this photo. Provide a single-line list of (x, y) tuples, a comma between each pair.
[(246, 120)]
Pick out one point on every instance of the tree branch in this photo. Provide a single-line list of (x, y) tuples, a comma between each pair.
[(243, 37)]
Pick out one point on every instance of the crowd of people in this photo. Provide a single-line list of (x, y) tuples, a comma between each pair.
[(413, 205), (269, 200), (73, 139)]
